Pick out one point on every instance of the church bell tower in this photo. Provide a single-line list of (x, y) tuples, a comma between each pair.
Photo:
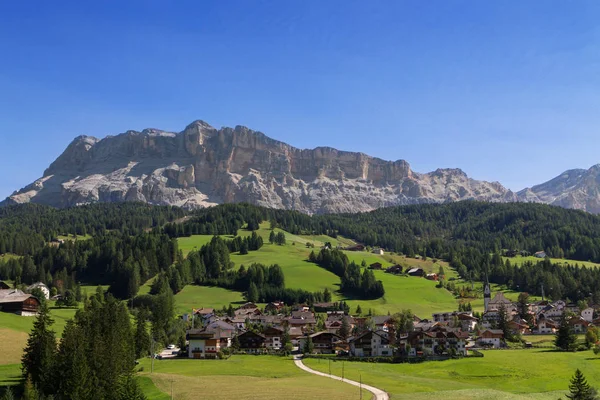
[(487, 295)]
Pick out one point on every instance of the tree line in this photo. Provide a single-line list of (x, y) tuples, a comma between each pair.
[(361, 285)]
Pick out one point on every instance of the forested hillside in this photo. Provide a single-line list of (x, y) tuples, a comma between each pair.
[(470, 235)]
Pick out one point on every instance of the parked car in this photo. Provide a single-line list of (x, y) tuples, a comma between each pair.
[(171, 346)]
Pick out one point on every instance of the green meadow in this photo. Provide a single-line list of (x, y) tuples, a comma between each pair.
[(519, 260), (243, 378), (193, 296), (500, 374), (417, 294)]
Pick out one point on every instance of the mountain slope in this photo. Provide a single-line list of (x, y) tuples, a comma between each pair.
[(576, 188), (203, 166)]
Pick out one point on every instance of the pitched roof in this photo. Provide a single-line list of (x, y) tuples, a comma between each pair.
[(380, 319), (13, 296), (499, 298)]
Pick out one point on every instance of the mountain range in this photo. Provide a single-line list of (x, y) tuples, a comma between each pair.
[(203, 166)]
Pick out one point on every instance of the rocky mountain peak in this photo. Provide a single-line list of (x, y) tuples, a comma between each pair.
[(202, 166)]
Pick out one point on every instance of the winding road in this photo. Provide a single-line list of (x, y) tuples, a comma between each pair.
[(378, 393)]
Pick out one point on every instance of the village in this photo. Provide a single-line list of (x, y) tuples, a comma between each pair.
[(325, 329), (329, 328)]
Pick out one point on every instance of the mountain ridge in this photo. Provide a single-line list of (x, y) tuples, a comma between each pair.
[(203, 166)]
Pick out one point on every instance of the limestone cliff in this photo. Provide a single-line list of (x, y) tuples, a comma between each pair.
[(203, 166)]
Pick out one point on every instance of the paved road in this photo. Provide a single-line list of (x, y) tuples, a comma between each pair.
[(377, 393)]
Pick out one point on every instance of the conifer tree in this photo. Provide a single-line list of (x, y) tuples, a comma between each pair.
[(345, 328), (39, 354), (72, 371), (326, 295), (565, 338), (252, 295), (309, 347), (579, 389), (142, 337), (8, 394), (128, 388), (272, 237), (29, 390)]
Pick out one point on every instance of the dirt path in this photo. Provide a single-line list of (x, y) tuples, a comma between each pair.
[(377, 393)]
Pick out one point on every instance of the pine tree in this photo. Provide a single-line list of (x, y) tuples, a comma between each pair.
[(309, 347), (235, 343), (142, 337), (565, 338), (252, 295), (29, 390), (345, 328), (326, 295), (358, 310), (502, 321), (579, 388), (72, 370), (272, 237), (8, 394), (128, 389), (39, 354)]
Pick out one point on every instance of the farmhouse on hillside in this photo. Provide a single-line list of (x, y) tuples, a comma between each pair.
[(17, 302), (396, 270), (416, 272), (376, 265)]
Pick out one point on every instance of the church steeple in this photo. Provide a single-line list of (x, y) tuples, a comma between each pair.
[(487, 295)]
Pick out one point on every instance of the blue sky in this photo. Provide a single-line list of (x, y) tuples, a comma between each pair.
[(505, 90)]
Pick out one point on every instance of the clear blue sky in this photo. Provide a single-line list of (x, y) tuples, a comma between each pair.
[(505, 90)]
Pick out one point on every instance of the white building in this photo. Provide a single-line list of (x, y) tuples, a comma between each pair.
[(42, 287), (588, 314)]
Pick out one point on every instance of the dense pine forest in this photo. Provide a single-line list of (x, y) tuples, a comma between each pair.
[(131, 242)]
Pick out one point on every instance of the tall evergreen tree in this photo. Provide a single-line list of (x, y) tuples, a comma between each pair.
[(345, 328), (309, 346), (579, 389), (142, 337), (8, 394), (565, 338), (252, 295), (72, 371), (39, 353)]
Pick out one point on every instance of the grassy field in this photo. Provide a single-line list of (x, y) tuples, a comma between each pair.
[(244, 378), (10, 374), (402, 292), (74, 237), (501, 374), (520, 260), (419, 295), (14, 331), (193, 296), (8, 256)]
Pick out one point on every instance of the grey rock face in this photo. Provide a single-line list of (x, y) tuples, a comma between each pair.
[(202, 166), (576, 188)]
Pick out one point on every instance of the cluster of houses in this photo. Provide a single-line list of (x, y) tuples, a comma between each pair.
[(544, 316), (373, 336), (445, 334)]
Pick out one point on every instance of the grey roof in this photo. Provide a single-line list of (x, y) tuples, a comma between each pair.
[(13, 295)]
